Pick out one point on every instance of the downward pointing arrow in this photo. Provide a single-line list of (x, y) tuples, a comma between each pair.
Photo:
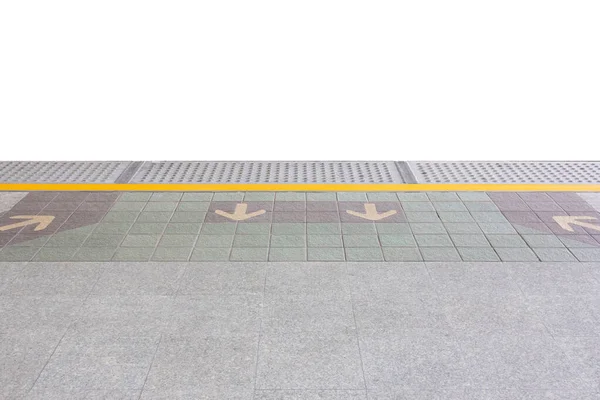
[(240, 213), (565, 222), (371, 213), (42, 222)]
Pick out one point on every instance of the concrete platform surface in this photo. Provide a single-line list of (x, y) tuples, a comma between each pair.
[(249, 295)]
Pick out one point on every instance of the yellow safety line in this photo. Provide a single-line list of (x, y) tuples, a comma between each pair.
[(297, 187)]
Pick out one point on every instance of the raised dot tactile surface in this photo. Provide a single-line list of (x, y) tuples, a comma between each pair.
[(61, 172), (268, 172), (506, 172)]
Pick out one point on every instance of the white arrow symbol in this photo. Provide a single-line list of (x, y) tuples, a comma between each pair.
[(240, 213), (371, 213), (42, 222), (565, 222)]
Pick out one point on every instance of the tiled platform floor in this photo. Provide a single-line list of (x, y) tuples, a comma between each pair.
[(302, 331), (437, 226)]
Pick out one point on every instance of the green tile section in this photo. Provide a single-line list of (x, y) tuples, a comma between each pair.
[(440, 226)]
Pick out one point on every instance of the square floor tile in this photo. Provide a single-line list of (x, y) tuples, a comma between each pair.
[(183, 228), (172, 254), (324, 241), (358, 228), (249, 254), (214, 241), (361, 241), (440, 254), (326, 254), (288, 241), (283, 228), (434, 241), (364, 254), (140, 241), (287, 254), (94, 254), (393, 228), (177, 241), (197, 196), (251, 241), (554, 254), (166, 196), (402, 254), (211, 254), (133, 254), (253, 229), (516, 254), (470, 240), (478, 254), (323, 228), (218, 229), (55, 254), (397, 240)]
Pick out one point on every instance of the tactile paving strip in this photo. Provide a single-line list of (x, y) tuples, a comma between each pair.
[(268, 172), (61, 172), (506, 172)]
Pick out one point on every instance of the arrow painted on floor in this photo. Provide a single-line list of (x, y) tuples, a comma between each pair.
[(240, 213), (42, 222), (371, 213), (565, 222)]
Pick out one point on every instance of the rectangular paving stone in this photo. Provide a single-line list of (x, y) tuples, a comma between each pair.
[(289, 206), (211, 254), (473, 196), (214, 241), (381, 196), (440, 254), (188, 216), (532, 228), (197, 196), (140, 241), (33, 241), (133, 254), (148, 228), (488, 216), (64, 239), (412, 196), (578, 241), (478, 254), (349, 228), (326, 254), (542, 241), (397, 240), (393, 228), (166, 196), (290, 196), (137, 206), (172, 254), (323, 228), (259, 196), (402, 254), (364, 254), (183, 228), (352, 196), (120, 216), (251, 241), (135, 196), (102, 240), (418, 206), (434, 241), (218, 229), (154, 216), (442, 196), (113, 227), (455, 216), (287, 254), (177, 241), (449, 206), (249, 254), (494, 228), (164, 206), (253, 229), (479, 206), (288, 241), (18, 253), (282, 228), (322, 206), (506, 241), (321, 196), (322, 217), (324, 241), (462, 227), (554, 254), (196, 206), (516, 254), (361, 241), (421, 216), (470, 240), (289, 217), (55, 254), (585, 254), (94, 254)]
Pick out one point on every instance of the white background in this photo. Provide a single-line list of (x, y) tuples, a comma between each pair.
[(306, 80)]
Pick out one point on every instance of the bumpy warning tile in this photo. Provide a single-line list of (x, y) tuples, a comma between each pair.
[(362, 227)]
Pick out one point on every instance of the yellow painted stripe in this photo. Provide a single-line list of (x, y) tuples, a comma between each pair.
[(296, 187)]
